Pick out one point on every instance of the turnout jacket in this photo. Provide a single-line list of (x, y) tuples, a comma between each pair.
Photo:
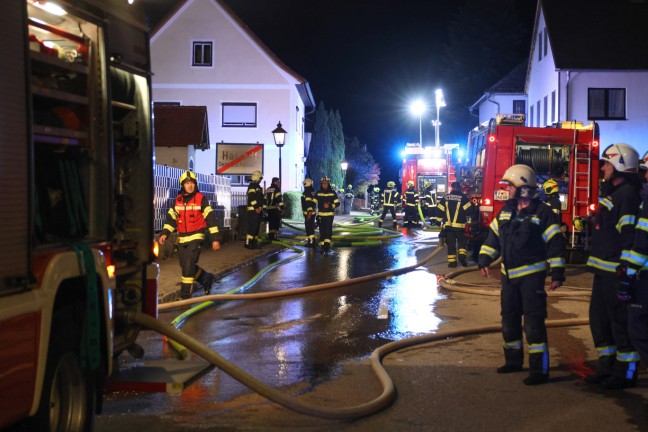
[(637, 258), (324, 196), (411, 197), (190, 215), (254, 196), (453, 209), (526, 240), (427, 198), (390, 197), (614, 229), (308, 200), (273, 198)]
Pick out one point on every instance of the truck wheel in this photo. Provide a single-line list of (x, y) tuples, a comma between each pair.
[(68, 398)]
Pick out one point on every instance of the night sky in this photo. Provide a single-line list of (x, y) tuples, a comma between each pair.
[(370, 58)]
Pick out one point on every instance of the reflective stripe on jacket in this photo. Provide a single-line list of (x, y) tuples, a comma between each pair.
[(190, 218), (390, 197), (453, 209)]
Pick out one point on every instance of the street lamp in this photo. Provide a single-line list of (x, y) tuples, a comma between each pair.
[(418, 108), (440, 102), (344, 165), (279, 139)]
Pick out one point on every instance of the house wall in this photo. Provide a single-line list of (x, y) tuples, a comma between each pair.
[(634, 129), (543, 81), (488, 109), (242, 72)]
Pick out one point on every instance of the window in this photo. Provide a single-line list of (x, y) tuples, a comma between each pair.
[(553, 106), (546, 102), (202, 53), (539, 46), (519, 107), (546, 42), (538, 113), (239, 114), (606, 104), (531, 115), (297, 118), (238, 180), (165, 103)]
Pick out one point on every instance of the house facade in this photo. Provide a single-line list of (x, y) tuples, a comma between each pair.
[(587, 62), (504, 97), (203, 55)]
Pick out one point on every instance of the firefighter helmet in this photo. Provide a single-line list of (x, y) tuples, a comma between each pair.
[(550, 187), (643, 163), (188, 175), (623, 157), (579, 224), (376, 189), (257, 176), (391, 184), (308, 182), (325, 180), (410, 183), (520, 175), (349, 186), (427, 184)]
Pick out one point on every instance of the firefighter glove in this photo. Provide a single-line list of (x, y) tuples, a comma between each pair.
[(625, 283)]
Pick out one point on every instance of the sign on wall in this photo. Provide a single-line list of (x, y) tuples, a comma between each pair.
[(238, 159)]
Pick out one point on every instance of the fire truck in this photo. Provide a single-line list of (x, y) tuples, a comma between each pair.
[(429, 164), (76, 163), (567, 153)]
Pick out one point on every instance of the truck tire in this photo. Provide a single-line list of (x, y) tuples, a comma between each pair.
[(68, 398)]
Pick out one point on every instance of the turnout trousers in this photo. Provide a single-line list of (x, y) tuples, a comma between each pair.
[(455, 238), (309, 224), (638, 317), (386, 209), (274, 223), (188, 255), (609, 326), (254, 224), (525, 296), (326, 230)]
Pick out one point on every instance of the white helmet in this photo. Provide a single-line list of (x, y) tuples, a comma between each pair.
[(257, 176), (623, 157), (643, 163), (520, 175)]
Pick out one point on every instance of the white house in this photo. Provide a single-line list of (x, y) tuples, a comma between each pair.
[(504, 97), (589, 62), (203, 55)]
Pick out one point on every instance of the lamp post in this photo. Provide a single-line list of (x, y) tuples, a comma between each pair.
[(279, 139), (418, 108), (344, 165), (440, 102)]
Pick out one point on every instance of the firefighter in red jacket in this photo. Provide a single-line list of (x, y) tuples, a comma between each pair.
[(190, 216), (612, 237), (526, 236)]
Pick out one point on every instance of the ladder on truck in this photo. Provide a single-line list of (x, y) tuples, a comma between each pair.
[(582, 185)]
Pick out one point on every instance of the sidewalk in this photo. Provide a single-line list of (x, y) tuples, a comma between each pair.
[(230, 257)]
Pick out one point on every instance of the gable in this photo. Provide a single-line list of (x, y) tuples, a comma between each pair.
[(238, 56)]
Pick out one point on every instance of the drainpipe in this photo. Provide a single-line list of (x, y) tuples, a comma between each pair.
[(567, 113), (488, 98)]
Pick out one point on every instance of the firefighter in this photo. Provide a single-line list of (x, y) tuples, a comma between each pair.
[(274, 207), (410, 203), (643, 175), (374, 200), (348, 199), (526, 236), (550, 188), (453, 210), (612, 237), (309, 207), (254, 210), (190, 215), (327, 202), (428, 200), (390, 197)]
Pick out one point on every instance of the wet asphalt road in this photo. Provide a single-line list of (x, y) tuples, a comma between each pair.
[(316, 346)]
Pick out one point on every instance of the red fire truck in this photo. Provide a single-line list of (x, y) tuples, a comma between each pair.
[(76, 159), (567, 153), (429, 164)]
